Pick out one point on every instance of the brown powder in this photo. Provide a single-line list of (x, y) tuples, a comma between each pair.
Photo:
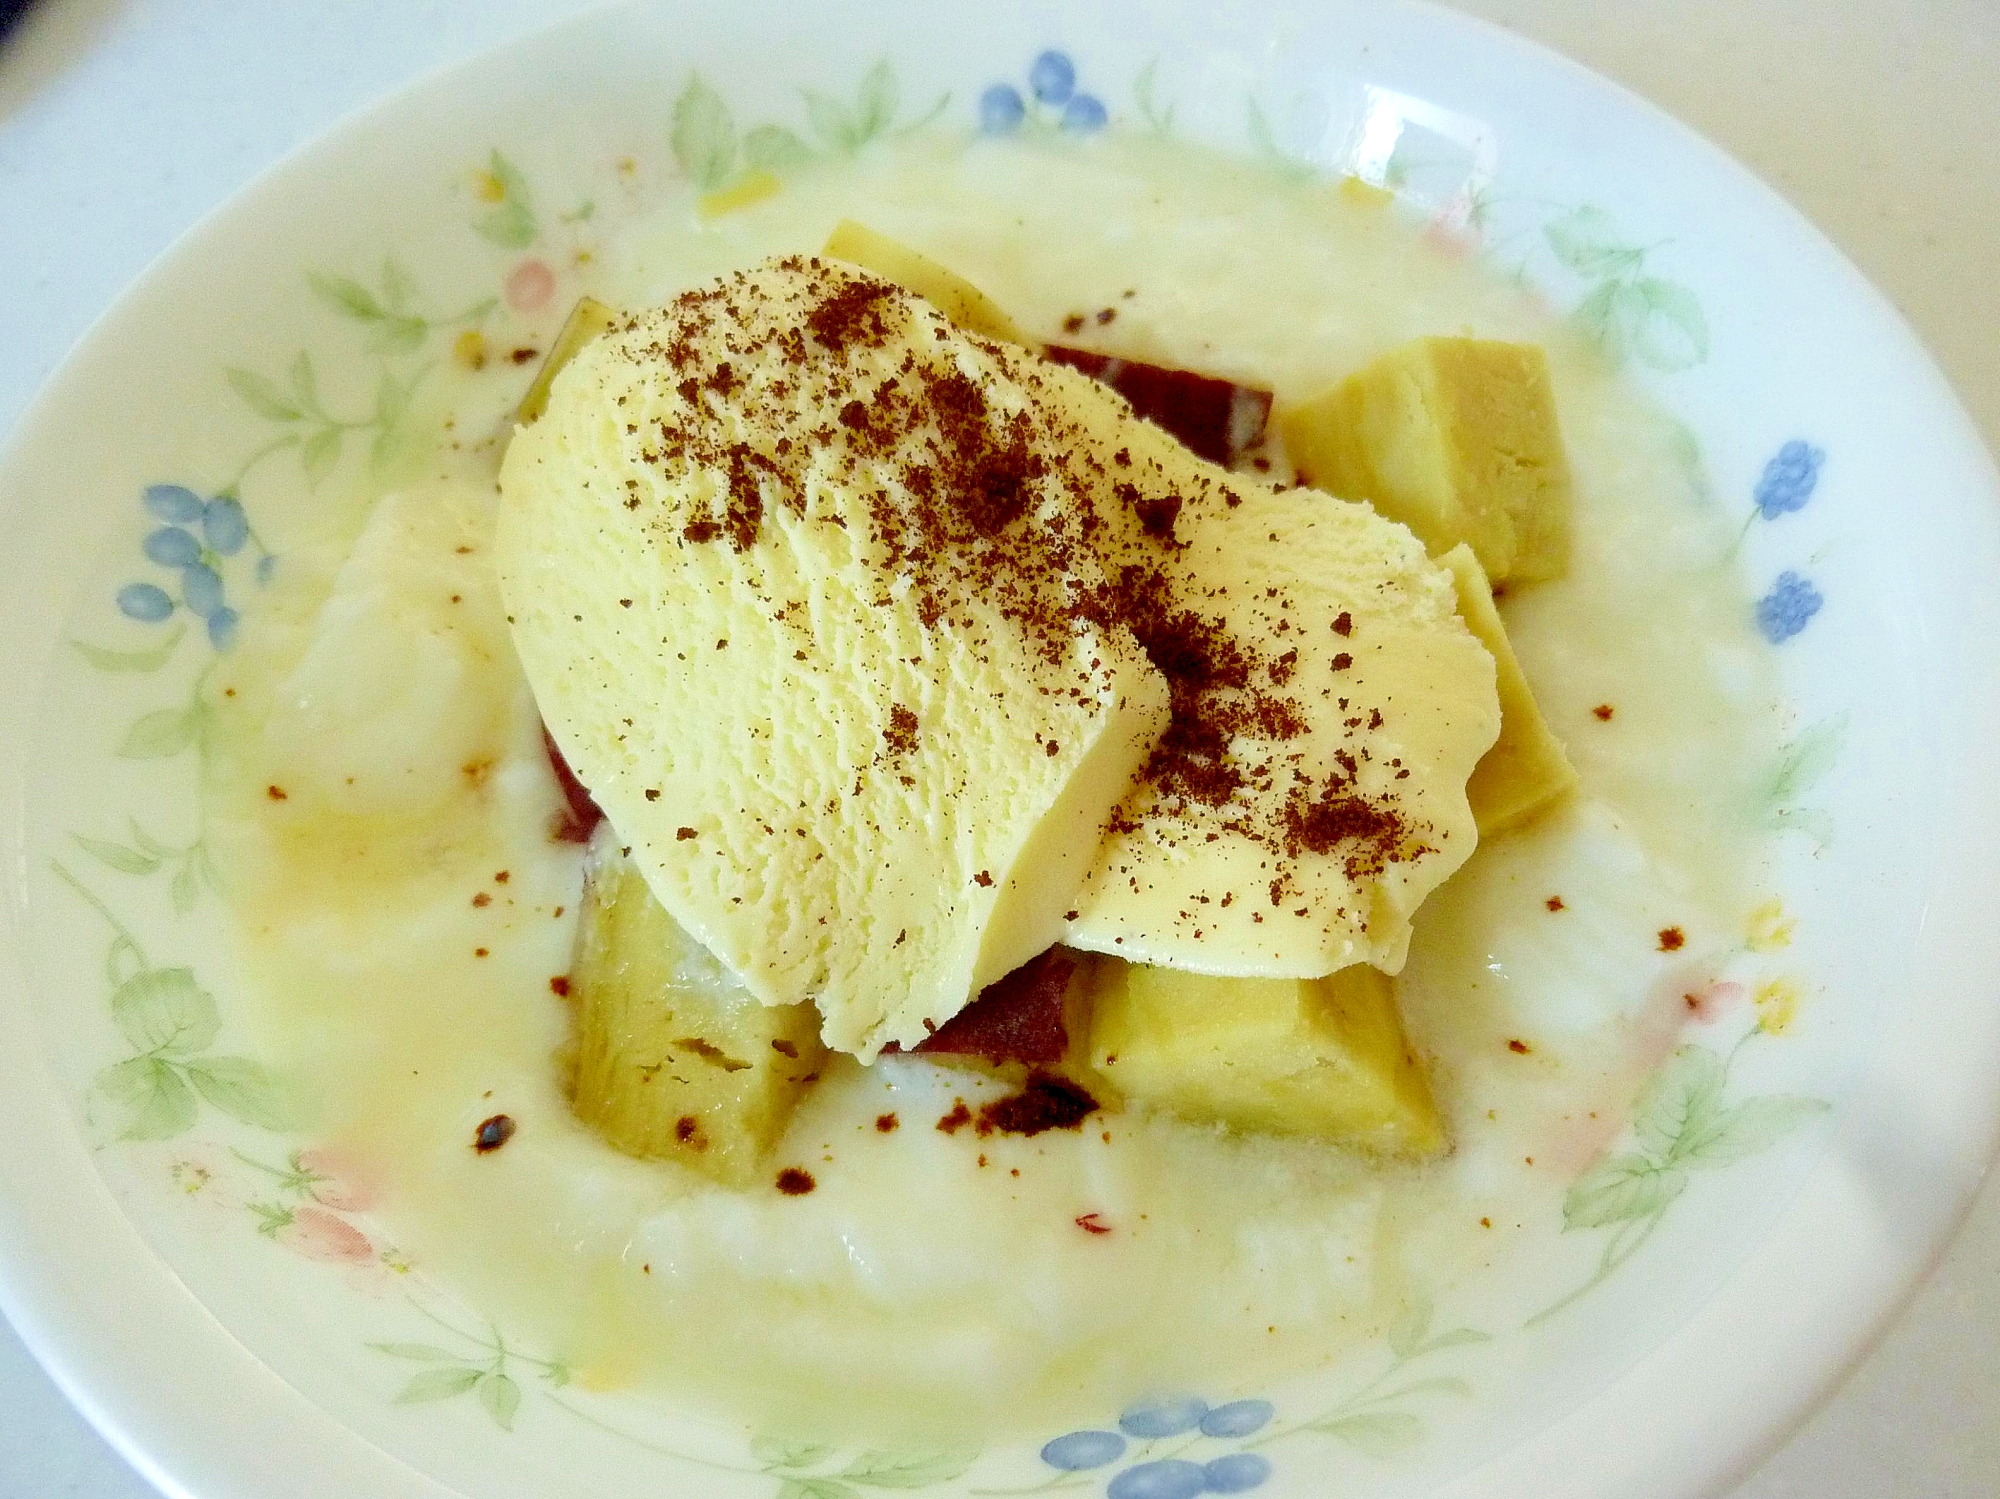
[(746, 501), (851, 313), (957, 1119), (1045, 1102), (1331, 817), (795, 1183), (899, 738), (1156, 516)]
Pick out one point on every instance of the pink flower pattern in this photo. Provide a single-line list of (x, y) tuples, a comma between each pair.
[(530, 285), (320, 1235)]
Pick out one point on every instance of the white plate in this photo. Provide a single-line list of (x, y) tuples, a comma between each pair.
[(226, 1367)]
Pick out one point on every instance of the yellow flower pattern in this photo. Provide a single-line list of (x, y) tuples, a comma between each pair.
[(1769, 929), (1777, 1002)]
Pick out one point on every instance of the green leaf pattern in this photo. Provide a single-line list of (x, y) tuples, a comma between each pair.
[(1800, 766), (148, 660), (1683, 1123), (158, 1101), (1732, 1135), (775, 1452), (714, 155), (774, 149), (487, 1368), (501, 1398), (394, 327), (319, 435), (163, 1010), (264, 396), (163, 733), (1587, 240), (241, 1089), (1620, 1190), (1376, 1434), (792, 1462), (510, 222), (169, 1021), (704, 136), (117, 856), (906, 1470), (1264, 142), (1626, 314), (816, 1488), (438, 1384), (1159, 116)]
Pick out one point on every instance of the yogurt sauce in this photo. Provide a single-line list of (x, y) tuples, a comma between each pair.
[(382, 811)]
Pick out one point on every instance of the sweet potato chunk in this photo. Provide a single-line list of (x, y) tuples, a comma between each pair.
[(1456, 438), (1527, 771), (675, 1059), (1321, 1057)]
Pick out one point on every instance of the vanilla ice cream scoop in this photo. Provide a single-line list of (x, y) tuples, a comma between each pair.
[(793, 567)]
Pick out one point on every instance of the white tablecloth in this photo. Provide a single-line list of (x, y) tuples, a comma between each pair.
[(121, 121)]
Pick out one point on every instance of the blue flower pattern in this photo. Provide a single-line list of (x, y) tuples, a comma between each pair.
[(1174, 1475), (1052, 99), (195, 539), (1788, 607), (1789, 479), (1787, 483)]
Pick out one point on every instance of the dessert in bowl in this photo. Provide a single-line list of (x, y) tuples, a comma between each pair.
[(1274, 1241)]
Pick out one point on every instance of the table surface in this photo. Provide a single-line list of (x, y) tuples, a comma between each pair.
[(122, 121)]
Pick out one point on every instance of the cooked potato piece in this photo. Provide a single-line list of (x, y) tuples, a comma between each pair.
[(675, 1060), (947, 291), (586, 320), (1322, 1057), (1456, 438), (1527, 771)]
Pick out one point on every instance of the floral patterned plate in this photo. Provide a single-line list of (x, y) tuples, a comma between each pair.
[(211, 1286)]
